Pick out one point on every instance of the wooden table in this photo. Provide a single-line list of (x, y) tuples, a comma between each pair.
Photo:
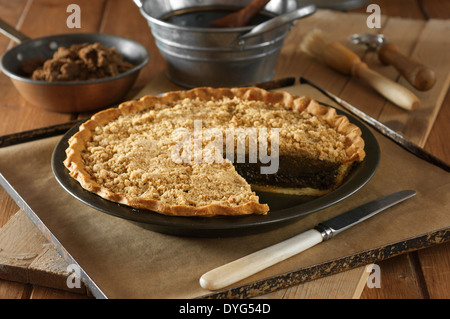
[(419, 274)]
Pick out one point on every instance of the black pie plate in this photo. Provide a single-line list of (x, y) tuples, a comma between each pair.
[(283, 208)]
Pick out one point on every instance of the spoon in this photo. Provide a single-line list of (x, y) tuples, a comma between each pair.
[(418, 75)]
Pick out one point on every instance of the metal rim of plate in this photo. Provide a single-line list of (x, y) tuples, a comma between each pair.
[(224, 226)]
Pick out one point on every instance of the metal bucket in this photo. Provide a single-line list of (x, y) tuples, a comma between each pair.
[(198, 55)]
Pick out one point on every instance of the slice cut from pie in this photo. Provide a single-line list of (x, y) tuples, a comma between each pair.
[(205, 151)]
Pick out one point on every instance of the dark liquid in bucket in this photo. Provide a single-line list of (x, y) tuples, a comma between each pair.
[(203, 17)]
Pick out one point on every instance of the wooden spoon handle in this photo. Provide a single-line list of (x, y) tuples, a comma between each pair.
[(242, 17), (251, 11), (421, 77), (394, 92)]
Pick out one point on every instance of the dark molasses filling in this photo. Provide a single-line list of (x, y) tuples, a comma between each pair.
[(293, 172)]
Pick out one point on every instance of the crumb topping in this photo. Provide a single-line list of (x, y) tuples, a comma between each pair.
[(132, 154)]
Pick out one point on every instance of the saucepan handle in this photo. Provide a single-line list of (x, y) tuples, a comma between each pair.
[(12, 33)]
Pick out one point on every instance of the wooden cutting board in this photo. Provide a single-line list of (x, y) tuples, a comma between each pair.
[(26, 256)]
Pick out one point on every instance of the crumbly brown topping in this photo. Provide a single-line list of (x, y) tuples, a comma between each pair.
[(132, 154), (126, 154)]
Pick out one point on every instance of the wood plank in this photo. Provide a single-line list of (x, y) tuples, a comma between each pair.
[(437, 142), (436, 9), (49, 293), (432, 260), (435, 266), (345, 285), (27, 257), (14, 290), (431, 49), (20, 243), (7, 206), (44, 17), (49, 269), (398, 281)]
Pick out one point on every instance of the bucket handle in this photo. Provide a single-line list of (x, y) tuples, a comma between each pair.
[(276, 22)]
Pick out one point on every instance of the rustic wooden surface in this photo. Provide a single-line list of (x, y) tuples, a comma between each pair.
[(421, 274)]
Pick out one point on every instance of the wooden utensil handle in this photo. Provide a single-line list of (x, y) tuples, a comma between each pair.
[(242, 17), (420, 76), (394, 92), (246, 266), (251, 11)]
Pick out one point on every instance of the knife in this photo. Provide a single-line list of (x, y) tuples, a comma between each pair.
[(246, 266), (383, 129), (58, 129)]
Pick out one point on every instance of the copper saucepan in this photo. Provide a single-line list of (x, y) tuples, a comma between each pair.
[(70, 96)]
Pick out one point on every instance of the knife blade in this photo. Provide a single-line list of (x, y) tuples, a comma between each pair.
[(275, 84), (383, 129), (248, 265)]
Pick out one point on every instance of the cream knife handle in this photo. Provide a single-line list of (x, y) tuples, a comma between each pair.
[(394, 92), (246, 266)]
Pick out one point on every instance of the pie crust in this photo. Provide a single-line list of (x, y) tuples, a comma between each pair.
[(123, 154)]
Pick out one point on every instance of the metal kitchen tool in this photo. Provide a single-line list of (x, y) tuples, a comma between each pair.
[(418, 75), (246, 266), (70, 96), (383, 129)]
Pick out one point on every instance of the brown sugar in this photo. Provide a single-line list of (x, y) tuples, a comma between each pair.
[(79, 62)]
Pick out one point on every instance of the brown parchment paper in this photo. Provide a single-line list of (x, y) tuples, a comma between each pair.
[(123, 260)]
